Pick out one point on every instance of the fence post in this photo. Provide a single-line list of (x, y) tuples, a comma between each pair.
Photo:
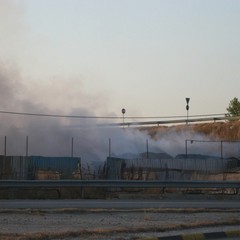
[(72, 148), (222, 160), (186, 153), (147, 149), (5, 146), (109, 147), (27, 146)]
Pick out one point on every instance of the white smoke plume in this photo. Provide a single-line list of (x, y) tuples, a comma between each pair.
[(177, 142), (50, 136)]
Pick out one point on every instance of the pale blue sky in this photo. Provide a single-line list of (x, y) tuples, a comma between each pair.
[(143, 55)]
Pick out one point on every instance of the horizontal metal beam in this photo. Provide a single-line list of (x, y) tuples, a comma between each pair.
[(117, 183), (176, 121)]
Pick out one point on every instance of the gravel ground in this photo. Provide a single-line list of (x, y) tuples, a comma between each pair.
[(110, 224)]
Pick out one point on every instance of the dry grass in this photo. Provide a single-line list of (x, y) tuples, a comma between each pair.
[(216, 130), (112, 210)]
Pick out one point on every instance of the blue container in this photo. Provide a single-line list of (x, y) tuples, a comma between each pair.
[(64, 165)]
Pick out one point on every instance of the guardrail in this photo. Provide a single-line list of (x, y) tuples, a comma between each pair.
[(117, 183), (174, 121)]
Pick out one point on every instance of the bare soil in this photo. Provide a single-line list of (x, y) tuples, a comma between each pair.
[(100, 224)]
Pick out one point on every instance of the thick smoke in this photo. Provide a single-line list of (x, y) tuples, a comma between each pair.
[(50, 136), (82, 137)]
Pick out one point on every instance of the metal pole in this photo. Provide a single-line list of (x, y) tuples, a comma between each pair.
[(109, 147), (222, 159), (27, 146), (147, 149), (5, 146), (72, 148), (123, 112), (186, 153), (221, 149), (187, 108)]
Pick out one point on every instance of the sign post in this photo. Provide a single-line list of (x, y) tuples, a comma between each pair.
[(187, 108)]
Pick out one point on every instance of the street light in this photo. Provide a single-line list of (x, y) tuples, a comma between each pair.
[(123, 112), (187, 108)]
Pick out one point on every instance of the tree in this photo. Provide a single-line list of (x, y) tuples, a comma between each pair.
[(233, 108)]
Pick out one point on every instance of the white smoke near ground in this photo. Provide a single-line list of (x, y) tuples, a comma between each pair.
[(82, 137), (49, 136), (187, 141), (59, 136), (175, 142)]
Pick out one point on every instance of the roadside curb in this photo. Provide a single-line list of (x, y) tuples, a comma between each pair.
[(197, 236)]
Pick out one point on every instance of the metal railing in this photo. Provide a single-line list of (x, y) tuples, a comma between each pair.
[(117, 183), (174, 121)]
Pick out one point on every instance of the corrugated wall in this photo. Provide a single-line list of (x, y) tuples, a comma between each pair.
[(13, 167), (115, 167), (19, 167), (174, 169)]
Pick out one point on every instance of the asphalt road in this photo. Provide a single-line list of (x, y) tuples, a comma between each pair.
[(118, 204)]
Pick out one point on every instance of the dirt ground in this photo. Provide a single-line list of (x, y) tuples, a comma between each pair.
[(101, 224)]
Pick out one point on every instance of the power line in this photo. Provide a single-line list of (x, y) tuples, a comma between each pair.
[(56, 115), (100, 117)]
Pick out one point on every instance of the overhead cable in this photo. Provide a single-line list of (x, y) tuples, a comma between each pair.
[(101, 117)]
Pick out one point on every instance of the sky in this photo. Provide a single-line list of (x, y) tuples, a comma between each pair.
[(105, 55), (100, 56), (95, 57)]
